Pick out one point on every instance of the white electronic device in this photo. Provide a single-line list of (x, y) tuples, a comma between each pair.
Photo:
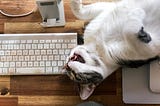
[(154, 77), (52, 12), (35, 54), (141, 85)]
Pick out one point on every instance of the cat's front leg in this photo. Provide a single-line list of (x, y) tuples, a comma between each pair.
[(84, 68), (90, 11)]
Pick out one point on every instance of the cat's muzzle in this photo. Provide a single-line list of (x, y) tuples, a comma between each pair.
[(82, 78)]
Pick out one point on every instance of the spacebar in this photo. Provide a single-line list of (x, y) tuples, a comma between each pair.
[(30, 71)]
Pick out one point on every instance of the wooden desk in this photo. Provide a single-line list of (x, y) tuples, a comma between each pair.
[(53, 90)]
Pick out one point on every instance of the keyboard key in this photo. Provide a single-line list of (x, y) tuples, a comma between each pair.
[(60, 63), (24, 64), (5, 70), (12, 71), (29, 41), (1, 64), (33, 58), (1, 53), (25, 52), (51, 57), (36, 64), (67, 51), (49, 70), (55, 51), (12, 64), (55, 69), (48, 63), (54, 63), (39, 58), (43, 52), (49, 52), (18, 64), (30, 64), (6, 64), (28, 46), (38, 70), (42, 63), (37, 52), (58, 46), (19, 52), (31, 52)]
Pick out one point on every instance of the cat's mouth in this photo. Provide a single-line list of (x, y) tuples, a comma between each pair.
[(77, 57), (70, 72)]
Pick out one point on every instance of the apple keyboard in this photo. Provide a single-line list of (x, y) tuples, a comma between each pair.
[(35, 54)]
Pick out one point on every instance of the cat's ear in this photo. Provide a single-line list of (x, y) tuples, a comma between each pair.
[(86, 90)]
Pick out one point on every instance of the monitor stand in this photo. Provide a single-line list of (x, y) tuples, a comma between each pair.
[(52, 12), (135, 85)]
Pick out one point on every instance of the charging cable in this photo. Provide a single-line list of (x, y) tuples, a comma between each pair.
[(18, 15)]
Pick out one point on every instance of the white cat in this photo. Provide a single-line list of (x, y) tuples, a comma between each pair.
[(119, 33)]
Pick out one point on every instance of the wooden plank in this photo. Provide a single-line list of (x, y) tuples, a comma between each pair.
[(8, 101), (66, 100), (4, 85), (22, 6), (106, 100), (28, 27), (55, 85)]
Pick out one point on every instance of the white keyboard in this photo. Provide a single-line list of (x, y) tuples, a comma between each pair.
[(35, 54)]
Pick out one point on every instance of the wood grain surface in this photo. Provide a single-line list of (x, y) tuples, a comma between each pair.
[(55, 90)]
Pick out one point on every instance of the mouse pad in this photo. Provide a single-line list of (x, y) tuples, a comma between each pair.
[(135, 85)]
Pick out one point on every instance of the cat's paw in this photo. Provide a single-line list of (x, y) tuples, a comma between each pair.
[(144, 36), (77, 66), (76, 5)]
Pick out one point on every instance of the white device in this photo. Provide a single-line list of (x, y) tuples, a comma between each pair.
[(35, 54), (154, 82), (142, 85), (52, 12)]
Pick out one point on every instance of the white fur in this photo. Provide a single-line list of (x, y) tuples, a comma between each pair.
[(113, 27), (112, 33)]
